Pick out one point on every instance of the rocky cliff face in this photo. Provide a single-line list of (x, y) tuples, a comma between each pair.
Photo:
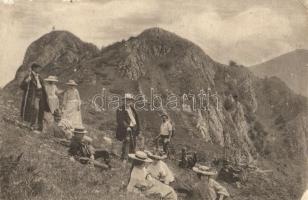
[(246, 117)]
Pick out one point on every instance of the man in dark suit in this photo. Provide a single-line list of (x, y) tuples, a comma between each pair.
[(128, 126), (34, 101)]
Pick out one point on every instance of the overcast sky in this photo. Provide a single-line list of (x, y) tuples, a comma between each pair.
[(247, 31)]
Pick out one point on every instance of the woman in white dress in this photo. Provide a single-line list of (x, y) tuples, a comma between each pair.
[(52, 93), (141, 182), (72, 105)]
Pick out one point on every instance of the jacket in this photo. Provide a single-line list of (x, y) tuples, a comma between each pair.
[(123, 122)]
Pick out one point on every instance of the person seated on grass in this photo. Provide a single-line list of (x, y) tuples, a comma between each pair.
[(207, 188), (188, 160), (82, 150), (60, 128), (159, 169), (141, 182)]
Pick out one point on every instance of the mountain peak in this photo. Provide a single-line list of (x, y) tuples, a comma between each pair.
[(57, 37), (158, 33), (155, 31)]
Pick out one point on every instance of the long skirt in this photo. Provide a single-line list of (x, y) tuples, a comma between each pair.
[(53, 102), (166, 192), (72, 113)]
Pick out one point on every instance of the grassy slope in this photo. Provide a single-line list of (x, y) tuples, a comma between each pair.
[(63, 179), (45, 171)]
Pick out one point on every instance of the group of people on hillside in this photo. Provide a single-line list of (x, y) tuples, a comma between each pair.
[(150, 175), (128, 128), (40, 102)]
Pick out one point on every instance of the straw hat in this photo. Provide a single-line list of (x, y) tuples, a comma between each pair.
[(204, 170), (71, 82), (51, 79), (155, 156), (128, 96), (141, 156)]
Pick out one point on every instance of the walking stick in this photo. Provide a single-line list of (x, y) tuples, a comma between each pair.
[(132, 139), (26, 98)]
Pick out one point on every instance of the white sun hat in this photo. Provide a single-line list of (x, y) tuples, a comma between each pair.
[(141, 156), (204, 170), (51, 79)]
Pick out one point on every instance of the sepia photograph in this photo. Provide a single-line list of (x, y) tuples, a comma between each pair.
[(154, 100)]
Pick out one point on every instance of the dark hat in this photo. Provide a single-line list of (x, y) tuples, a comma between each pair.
[(79, 131), (35, 65), (57, 113), (164, 114)]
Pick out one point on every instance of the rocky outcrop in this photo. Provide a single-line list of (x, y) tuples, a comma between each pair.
[(56, 52), (245, 115)]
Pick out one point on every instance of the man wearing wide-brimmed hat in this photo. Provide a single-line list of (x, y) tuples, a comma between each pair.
[(82, 150), (143, 183), (128, 126), (72, 104), (77, 147), (207, 188), (34, 101)]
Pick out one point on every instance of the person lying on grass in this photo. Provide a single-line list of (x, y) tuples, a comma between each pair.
[(82, 150)]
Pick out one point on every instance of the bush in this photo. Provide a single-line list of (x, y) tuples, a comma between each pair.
[(232, 63), (228, 104)]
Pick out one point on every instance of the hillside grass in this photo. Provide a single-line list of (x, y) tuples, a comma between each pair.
[(45, 171)]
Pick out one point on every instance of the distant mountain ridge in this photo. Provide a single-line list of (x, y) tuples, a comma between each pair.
[(291, 67), (252, 118)]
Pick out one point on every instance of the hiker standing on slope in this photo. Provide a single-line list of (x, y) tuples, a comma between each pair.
[(72, 105), (128, 126), (34, 101), (52, 93), (165, 133)]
